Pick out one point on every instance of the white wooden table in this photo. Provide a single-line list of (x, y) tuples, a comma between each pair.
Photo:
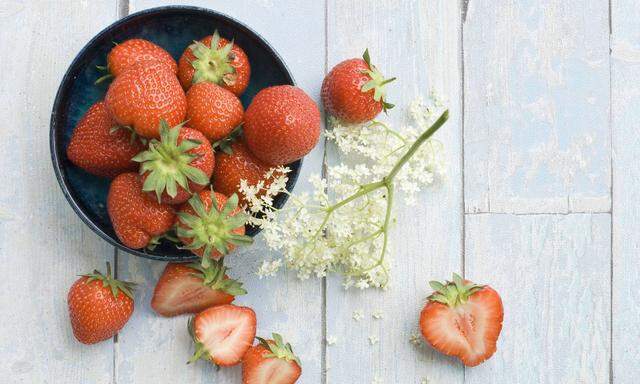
[(541, 200)]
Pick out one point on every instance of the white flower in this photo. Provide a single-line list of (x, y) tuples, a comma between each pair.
[(415, 338), (357, 315), (331, 340), (373, 339), (316, 233), (269, 268), (377, 315)]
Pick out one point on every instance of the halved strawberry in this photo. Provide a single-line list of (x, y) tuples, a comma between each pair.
[(223, 334), (463, 319), (191, 288), (270, 362)]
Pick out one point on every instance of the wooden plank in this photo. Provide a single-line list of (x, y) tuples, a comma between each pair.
[(552, 272), (537, 106), (625, 106), (43, 244), (153, 349), (418, 42)]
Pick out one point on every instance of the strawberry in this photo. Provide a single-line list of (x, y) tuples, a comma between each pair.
[(281, 125), (270, 362), (210, 225), (129, 52), (144, 94), (99, 306), (222, 334), (136, 218), (100, 147), (214, 59), (213, 110), (235, 163), (354, 90), (463, 319), (192, 288), (177, 165)]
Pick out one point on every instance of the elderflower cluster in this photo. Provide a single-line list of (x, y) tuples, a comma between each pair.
[(318, 234)]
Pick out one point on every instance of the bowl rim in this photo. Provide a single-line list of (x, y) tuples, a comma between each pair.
[(61, 95)]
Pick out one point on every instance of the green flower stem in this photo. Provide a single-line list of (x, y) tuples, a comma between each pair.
[(386, 182)]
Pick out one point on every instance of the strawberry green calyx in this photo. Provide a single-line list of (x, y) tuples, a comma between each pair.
[(116, 286), (279, 349), (201, 352), (168, 163), (224, 144), (131, 131), (377, 82), (453, 293), (213, 229), (213, 277), (213, 64)]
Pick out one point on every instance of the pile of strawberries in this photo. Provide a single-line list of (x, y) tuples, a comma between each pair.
[(177, 142)]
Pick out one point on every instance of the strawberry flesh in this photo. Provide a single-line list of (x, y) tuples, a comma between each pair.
[(225, 333)]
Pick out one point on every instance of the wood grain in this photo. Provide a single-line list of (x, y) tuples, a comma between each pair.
[(536, 102), (552, 272), (418, 42), (625, 100), (153, 349), (43, 244)]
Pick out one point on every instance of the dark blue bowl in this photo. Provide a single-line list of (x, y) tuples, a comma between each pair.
[(173, 28)]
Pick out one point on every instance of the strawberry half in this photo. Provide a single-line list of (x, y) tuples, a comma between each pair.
[(192, 288), (270, 362), (223, 334), (463, 319)]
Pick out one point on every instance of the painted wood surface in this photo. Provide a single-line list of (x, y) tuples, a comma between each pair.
[(536, 96), (625, 123), (418, 43), (43, 244), (553, 275), (530, 84)]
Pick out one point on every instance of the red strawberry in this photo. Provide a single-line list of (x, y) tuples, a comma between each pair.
[(354, 91), (129, 52), (281, 125), (463, 319), (136, 218), (99, 306), (216, 60), (177, 165), (223, 334), (210, 225), (100, 147), (235, 163), (213, 110), (192, 288), (144, 94), (270, 362)]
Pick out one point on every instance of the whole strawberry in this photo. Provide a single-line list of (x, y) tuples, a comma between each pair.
[(235, 163), (99, 306), (177, 165), (136, 218), (101, 147), (211, 226), (144, 94), (216, 60), (129, 52), (270, 362), (281, 125), (463, 319), (191, 288), (354, 91), (213, 110)]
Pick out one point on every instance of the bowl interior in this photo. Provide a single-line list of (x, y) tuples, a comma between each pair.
[(173, 28)]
